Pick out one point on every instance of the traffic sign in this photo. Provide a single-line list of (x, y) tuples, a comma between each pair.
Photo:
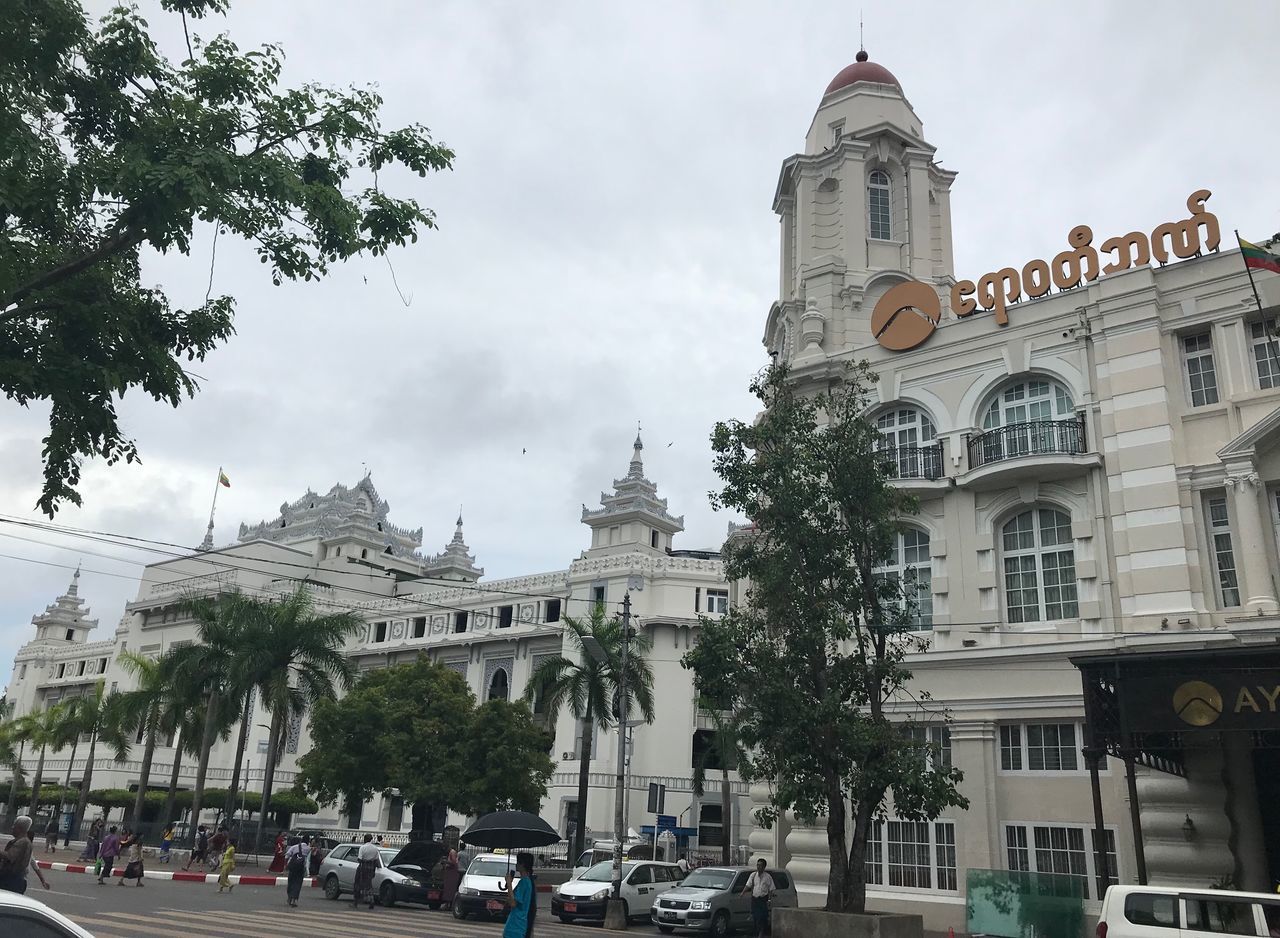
[(666, 822), (657, 798)]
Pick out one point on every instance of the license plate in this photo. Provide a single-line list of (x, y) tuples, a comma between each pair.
[(433, 894), (669, 917), (493, 905), (571, 907)]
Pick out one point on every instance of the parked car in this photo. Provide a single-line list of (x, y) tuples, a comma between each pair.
[(585, 897), (21, 916), (710, 900), (404, 875), (602, 852), (1168, 912), (482, 889)]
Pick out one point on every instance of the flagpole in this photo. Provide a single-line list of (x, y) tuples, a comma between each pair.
[(1248, 270), (208, 535)]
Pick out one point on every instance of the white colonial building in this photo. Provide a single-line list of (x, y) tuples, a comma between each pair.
[(343, 546), (1098, 468)]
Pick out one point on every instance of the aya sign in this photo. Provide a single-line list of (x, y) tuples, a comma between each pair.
[(909, 312)]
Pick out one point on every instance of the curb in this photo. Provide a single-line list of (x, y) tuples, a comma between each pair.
[(180, 876)]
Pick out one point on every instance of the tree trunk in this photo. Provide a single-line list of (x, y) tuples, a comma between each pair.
[(858, 858), (268, 778), (66, 783), (584, 769), (82, 800), (173, 779), (726, 818), (240, 746), (144, 773), (10, 808), (35, 784), (206, 744)]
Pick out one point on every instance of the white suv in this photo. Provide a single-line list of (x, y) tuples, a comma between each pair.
[(1164, 912)]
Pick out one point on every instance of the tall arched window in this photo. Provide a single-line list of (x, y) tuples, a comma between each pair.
[(879, 213), (1039, 567), (499, 686), (1029, 417), (903, 431), (909, 565)]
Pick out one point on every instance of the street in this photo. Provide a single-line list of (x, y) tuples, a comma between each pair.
[(166, 909)]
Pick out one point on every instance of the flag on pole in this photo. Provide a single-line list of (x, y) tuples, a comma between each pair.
[(1259, 258), (223, 480)]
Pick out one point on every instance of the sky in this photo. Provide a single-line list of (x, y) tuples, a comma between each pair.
[(606, 252)]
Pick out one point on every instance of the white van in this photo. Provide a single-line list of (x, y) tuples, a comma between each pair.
[(1166, 912)]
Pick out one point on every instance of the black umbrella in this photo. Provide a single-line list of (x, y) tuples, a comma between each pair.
[(511, 829)]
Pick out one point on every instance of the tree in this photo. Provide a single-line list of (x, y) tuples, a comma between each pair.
[(300, 660), (10, 756), (89, 715), (210, 668), (587, 685), (42, 729), (110, 148), (402, 727), (817, 650), (507, 759), (152, 709), (723, 751)]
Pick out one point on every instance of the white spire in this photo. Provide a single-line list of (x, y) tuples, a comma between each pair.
[(74, 588), (207, 543)]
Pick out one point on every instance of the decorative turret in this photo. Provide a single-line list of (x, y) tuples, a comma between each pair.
[(633, 516), (455, 563), (66, 619)]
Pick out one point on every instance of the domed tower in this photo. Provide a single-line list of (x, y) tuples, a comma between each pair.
[(864, 207)]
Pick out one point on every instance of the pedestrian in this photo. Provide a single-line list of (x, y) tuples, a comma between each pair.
[(760, 885), (368, 855), (218, 846), (315, 856), (200, 849), (166, 842), (520, 899), (51, 835), (17, 858), (131, 846), (91, 839), (295, 861), (110, 850), (277, 857), (450, 878), (225, 866), (683, 863)]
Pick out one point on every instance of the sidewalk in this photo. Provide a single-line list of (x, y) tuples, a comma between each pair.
[(178, 875)]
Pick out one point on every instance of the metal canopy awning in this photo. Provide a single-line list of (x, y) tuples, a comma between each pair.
[(1148, 707)]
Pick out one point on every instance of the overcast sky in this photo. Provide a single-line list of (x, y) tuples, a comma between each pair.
[(607, 252)]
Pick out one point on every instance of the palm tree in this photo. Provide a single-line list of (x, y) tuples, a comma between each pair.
[(42, 728), (149, 711), (723, 749), (300, 659), (209, 668), (587, 682), (10, 756), (90, 714)]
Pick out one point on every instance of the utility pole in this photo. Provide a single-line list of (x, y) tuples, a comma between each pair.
[(623, 712)]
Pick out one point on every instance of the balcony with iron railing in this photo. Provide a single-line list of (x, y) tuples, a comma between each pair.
[(916, 468), (1044, 449)]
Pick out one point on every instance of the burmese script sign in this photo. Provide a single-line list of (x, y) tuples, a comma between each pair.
[(1219, 698), (909, 312)]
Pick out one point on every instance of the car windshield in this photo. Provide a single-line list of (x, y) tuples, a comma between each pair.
[(387, 856), (489, 868), (603, 872), (709, 879)]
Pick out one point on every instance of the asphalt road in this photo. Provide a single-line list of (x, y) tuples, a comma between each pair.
[(165, 909)]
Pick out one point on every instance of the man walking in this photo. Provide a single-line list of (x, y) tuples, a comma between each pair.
[(110, 850), (200, 850), (760, 885), (368, 856), (16, 859)]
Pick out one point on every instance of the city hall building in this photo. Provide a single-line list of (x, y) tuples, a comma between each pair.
[(1094, 440)]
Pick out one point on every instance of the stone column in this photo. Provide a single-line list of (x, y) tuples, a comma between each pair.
[(1252, 552), (974, 752)]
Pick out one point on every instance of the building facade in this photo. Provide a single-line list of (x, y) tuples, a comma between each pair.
[(1093, 441), (344, 548)]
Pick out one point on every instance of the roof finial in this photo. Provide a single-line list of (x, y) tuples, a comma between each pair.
[(459, 516), (862, 46), (74, 588)]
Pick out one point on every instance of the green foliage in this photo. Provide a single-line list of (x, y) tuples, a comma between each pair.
[(507, 759), (293, 802), (811, 659), (108, 798), (416, 728), (109, 147)]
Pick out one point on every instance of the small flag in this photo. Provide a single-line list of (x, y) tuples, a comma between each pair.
[(223, 480), (1259, 258)]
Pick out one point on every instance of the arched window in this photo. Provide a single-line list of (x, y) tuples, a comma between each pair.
[(1039, 567), (1029, 417), (903, 431), (499, 686), (909, 565), (879, 213)]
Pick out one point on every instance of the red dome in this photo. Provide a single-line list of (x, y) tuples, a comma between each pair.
[(862, 70)]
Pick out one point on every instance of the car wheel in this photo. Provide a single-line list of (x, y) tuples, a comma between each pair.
[(331, 888), (720, 924), (457, 911), (387, 894)]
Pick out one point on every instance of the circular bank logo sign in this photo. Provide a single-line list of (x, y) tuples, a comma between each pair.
[(1197, 703), (906, 316)]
